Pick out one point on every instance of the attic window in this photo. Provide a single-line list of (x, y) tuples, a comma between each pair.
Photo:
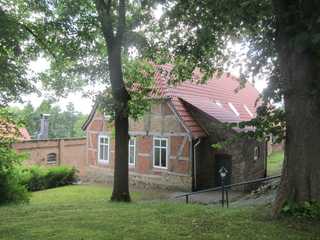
[(52, 158), (234, 109), (219, 103), (248, 110)]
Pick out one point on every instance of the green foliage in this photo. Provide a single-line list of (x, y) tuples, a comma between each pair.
[(38, 178), (11, 190), (139, 80), (306, 210), (274, 163), (16, 50), (62, 124)]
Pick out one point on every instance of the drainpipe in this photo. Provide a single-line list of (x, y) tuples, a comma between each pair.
[(195, 163)]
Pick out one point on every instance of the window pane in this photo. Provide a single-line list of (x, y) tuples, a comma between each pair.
[(106, 149), (131, 155), (157, 142), (157, 157), (163, 157), (163, 143), (101, 152)]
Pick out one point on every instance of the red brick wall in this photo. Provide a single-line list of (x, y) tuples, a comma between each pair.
[(69, 152)]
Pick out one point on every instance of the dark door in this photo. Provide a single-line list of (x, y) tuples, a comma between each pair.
[(223, 160)]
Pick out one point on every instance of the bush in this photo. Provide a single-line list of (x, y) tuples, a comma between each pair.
[(11, 189), (306, 209), (38, 178)]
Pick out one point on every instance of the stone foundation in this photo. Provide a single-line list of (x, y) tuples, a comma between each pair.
[(167, 181)]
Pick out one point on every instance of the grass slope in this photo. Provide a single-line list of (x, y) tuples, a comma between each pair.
[(275, 161), (84, 212)]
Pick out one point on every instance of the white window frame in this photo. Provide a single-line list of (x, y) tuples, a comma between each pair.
[(134, 151), (99, 148), (234, 109), (160, 147)]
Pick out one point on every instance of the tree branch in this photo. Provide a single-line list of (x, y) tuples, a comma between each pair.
[(122, 20), (105, 16)]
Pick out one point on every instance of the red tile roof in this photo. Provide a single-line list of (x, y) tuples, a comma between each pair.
[(24, 134), (204, 97)]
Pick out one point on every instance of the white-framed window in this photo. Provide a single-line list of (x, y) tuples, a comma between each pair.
[(234, 109), (248, 110), (132, 151), (256, 153), (160, 152), (103, 148)]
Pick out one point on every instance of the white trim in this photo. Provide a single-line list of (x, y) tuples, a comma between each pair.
[(160, 147), (219, 103), (233, 109), (104, 161), (248, 110), (134, 151)]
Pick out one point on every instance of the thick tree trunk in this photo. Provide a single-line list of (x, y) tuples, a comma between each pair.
[(300, 68), (120, 95), (121, 98)]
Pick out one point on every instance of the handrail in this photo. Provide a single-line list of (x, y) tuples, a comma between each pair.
[(227, 186)]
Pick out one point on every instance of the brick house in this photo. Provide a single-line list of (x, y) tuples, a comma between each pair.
[(170, 147)]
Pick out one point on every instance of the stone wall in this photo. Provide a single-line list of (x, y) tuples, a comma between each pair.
[(241, 150), (68, 152)]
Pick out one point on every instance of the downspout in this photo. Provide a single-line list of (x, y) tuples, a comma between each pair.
[(195, 163)]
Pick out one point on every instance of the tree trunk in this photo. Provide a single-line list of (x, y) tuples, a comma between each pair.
[(121, 98), (299, 68), (119, 93)]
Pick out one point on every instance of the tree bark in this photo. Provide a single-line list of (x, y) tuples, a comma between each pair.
[(119, 93), (300, 68)]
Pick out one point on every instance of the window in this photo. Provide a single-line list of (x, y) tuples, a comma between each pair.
[(248, 110), (132, 151), (160, 146), (256, 153), (234, 109), (52, 158), (103, 150)]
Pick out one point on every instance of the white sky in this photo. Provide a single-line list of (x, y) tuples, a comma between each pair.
[(84, 104)]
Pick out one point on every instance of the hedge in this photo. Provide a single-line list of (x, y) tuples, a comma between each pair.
[(38, 178)]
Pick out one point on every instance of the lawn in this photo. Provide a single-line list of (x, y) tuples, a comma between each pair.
[(275, 161), (84, 212)]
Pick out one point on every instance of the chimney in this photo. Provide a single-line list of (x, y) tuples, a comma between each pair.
[(44, 127)]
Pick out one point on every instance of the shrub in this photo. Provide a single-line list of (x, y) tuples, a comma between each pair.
[(38, 178), (11, 189), (306, 209)]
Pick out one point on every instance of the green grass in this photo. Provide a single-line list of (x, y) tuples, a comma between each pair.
[(275, 161), (84, 212)]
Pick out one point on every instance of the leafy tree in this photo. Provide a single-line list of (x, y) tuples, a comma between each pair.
[(283, 38), (62, 124), (16, 51), (86, 41)]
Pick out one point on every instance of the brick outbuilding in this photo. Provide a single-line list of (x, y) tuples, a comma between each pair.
[(171, 146)]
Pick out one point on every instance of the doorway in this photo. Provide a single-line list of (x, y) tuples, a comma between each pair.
[(223, 160)]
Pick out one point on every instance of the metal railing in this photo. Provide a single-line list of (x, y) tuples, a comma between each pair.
[(225, 189)]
